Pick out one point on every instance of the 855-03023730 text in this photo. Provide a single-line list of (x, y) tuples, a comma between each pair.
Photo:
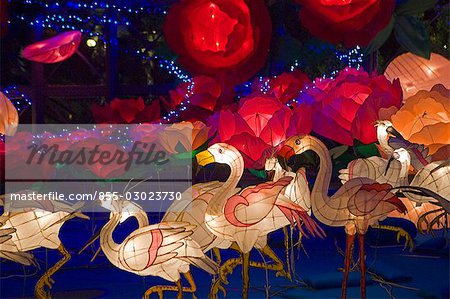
[(98, 195)]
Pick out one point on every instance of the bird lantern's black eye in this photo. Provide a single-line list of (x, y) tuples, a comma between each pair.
[(298, 141), (220, 151)]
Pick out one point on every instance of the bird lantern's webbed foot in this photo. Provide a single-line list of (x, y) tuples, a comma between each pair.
[(226, 269), (400, 233), (44, 284), (429, 224), (176, 288), (278, 266)]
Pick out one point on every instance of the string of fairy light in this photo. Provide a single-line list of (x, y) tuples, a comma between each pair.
[(18, 98), (85, 17)]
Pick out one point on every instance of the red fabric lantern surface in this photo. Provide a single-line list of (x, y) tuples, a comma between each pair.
[(259, 125), (229, 39), (347, 107), (126, 111), (55, 49), (284, 87), (351, 22)]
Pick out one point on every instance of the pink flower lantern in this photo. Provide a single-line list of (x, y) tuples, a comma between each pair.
[(55, 49)]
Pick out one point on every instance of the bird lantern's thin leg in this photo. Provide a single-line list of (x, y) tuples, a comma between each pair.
[(192, 287), (286, 244), (348, 258), (216, 252), (362, 266), (180, 289), (46, 279), (245, 274)]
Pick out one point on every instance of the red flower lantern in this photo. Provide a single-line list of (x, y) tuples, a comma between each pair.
[(126, 111), (347, 107), (55, 49), (226, 38), (259, 125), (284, 87), (351, 22)]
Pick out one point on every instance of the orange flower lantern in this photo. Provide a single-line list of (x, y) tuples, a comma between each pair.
[(425, 118), (417, 73), (55, 49), (9, 118), (188, 135)]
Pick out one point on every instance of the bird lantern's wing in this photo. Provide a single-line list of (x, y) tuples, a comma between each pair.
[(254, 203)]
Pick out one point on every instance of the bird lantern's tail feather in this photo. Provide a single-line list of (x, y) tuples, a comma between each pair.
[(296, 213), (204, 263), (23, 258)]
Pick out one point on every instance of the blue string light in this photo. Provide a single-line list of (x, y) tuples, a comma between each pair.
[(19, 99), (175, 114), (84, 16), (173, 69), (353, 58)]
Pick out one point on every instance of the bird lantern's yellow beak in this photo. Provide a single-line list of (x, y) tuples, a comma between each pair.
[(204, 158)]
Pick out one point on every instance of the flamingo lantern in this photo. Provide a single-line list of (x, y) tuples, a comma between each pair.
[(192, 207), (297, 191), (35, 228), (249, 216), (165, 249), (358, 204), (193, 211), (393, 172)]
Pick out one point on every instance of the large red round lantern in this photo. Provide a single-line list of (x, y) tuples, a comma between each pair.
[(55, 49), (227, 38), (350, 22)]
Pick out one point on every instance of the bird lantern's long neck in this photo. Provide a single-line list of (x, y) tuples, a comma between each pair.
[(141, 218), (107, 243), (217, 203), (382, 137), (322, 205), (279, 172), (404, 172)]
